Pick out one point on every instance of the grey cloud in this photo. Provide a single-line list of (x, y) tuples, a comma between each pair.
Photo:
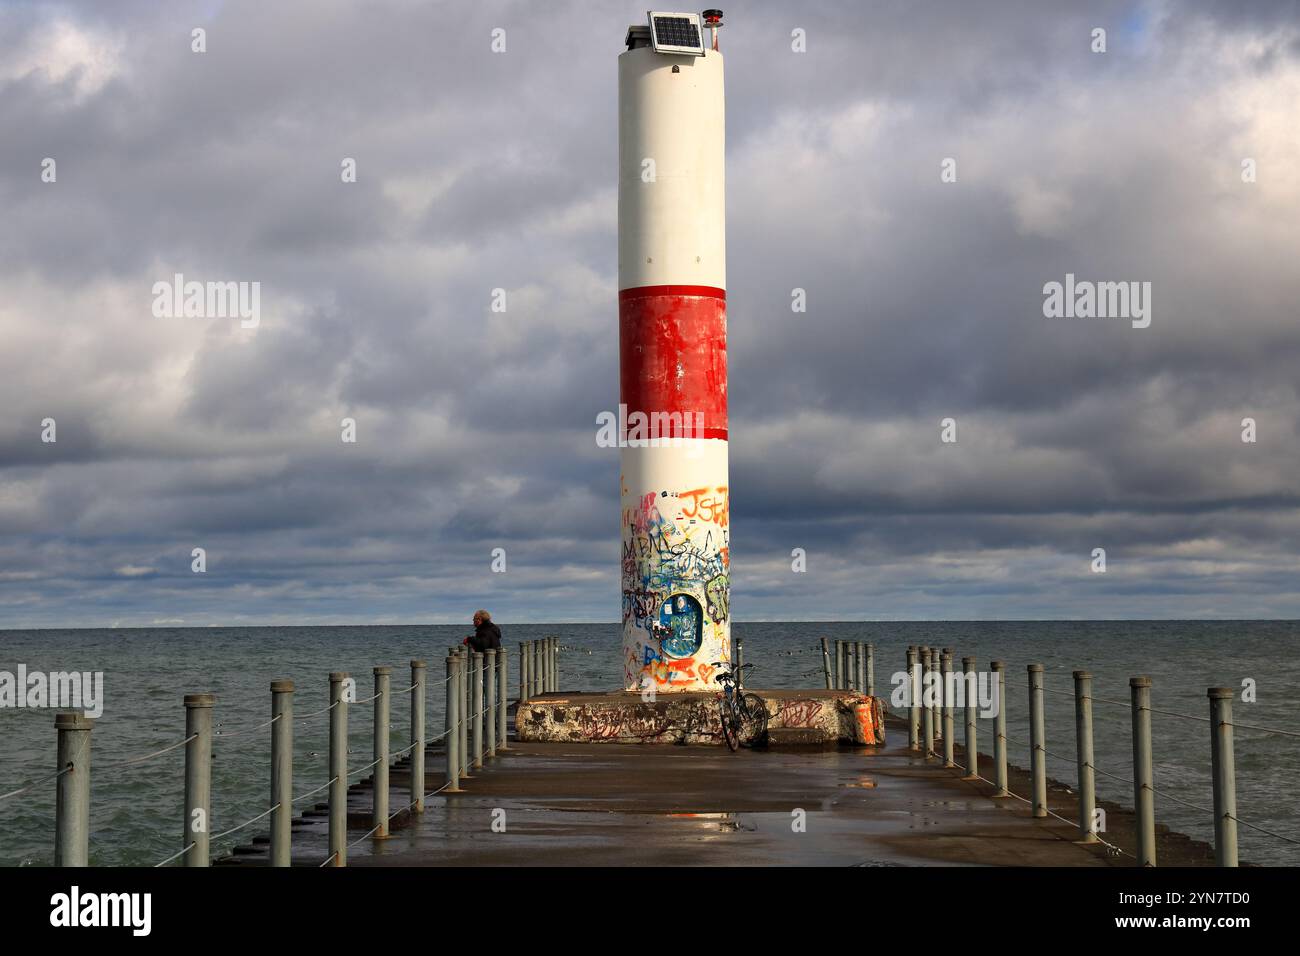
[(476, 430)]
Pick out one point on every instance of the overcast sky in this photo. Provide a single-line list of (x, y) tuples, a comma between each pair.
[(479, 170)]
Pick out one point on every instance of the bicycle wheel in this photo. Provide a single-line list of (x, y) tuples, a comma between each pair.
[(753, 724), (730, 726)]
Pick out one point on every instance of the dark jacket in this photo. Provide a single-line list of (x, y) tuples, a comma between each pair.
[(486, 635)]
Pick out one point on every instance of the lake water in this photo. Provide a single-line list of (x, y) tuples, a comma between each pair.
[(136, 810)]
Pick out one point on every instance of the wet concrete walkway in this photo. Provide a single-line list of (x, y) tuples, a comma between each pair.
[(627, 804)]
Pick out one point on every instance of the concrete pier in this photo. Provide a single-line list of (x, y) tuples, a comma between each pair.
[(795, 718), (626, 805)]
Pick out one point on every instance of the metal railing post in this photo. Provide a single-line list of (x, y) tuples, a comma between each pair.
[(839, 665), (1225, 777), (1037, 741), (1000, 779), (945, 676), (462, 694), (927, 712), (740, 663), (72, 789), (452, 737), (281, 771), (1084, 757), (1144, 793), (338, 770), (913, 705), (476, 705), (379, 773), (525, 672), (871, 670), (198, 777), (539, 667), (972, 712), (490, 701), (503, 699), (418, 679), (555, 664), (449, 685), (469, 702), (826, 663), (936, 694)]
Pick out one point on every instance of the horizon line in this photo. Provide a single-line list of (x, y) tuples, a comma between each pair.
[(1007, 620)]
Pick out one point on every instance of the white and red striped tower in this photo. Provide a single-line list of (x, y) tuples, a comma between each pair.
[(673, 355)]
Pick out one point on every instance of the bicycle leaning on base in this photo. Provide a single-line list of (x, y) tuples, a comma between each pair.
[(744, 716)]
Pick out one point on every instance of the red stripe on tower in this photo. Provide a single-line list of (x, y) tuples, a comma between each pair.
[(673, 354)]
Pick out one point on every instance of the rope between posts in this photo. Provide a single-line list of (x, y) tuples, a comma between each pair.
[(1103, 700), (1067, 760), (373, 830), (311, 793), (1072, 761), (144, 757), (174, 856), (434, 793), (1287, 839), (317, 713), (372, 763), (328, 859), (431, 793), (1170, 713), (1170, 796), (28, 786), (240, 733), (225, 833), (1052, 813), (1161, 793), (1106, 700), (1107, 773), (1265, 730)]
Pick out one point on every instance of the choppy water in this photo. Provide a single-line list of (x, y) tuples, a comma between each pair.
[(136, 810)]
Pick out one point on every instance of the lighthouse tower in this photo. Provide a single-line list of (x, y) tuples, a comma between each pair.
[(672, 307)]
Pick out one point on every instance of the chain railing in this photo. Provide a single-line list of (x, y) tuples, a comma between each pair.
[(475, 732), (935, 690)]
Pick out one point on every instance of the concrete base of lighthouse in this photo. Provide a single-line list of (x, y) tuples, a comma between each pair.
[(796, 718)]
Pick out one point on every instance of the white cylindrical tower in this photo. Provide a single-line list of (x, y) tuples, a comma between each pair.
[(676, 572)]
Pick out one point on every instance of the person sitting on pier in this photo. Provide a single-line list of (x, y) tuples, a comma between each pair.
[(486, 634)]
